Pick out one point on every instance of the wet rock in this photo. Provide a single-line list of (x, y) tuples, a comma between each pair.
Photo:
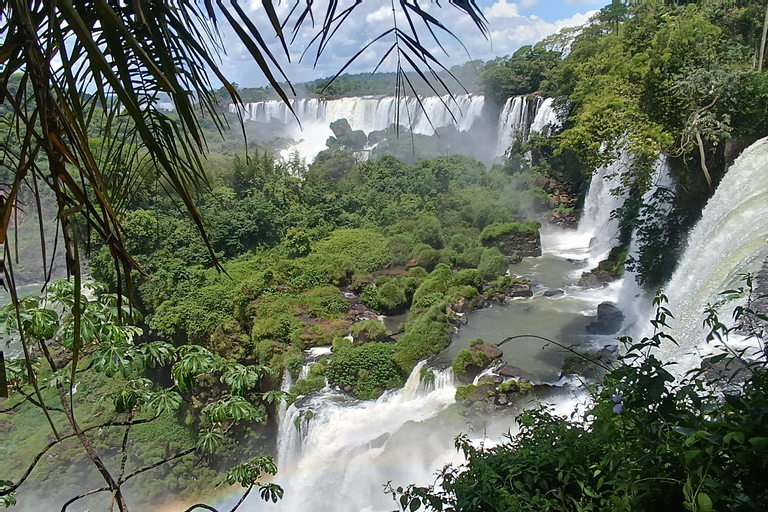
[(509, 372), (514, 241), (596, 278), (608, 321), (347, 388), (554, 293), (520, 290)]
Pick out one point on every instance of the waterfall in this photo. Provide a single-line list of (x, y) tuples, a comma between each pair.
[(730, 238), (597, 224), (335, 452), (368, 113), (309, 123), (546, 120), (521, 116), (658, 202)]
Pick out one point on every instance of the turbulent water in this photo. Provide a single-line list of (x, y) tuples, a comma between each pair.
[(521, 116), (731, 238), (309, 123)]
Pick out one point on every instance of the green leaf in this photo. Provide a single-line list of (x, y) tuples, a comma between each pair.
[(704, 501)]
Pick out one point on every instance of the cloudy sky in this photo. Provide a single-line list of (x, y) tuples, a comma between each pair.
[(511, 24)]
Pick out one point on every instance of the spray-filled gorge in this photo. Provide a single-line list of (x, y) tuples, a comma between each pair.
[(395, 275)]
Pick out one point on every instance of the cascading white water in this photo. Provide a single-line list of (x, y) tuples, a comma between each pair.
[(337, 457), (730, 238), (658, 202), (546, 119), (597, 227), (521, 116), (311, 123), (513, 123)]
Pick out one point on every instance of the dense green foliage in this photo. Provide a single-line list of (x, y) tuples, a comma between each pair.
[(646, 442)]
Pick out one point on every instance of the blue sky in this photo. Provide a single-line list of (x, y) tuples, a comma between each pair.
[(512, 24)]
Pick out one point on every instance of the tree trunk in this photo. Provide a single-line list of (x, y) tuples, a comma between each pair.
[(762, 44), (703, 156)]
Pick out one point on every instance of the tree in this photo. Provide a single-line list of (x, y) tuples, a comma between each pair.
[(112, 352), (70, 66)]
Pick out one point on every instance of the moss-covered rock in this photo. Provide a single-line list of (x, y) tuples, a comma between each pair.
[(369, 330), (515, 240)]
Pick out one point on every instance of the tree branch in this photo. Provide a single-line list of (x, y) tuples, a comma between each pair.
[(81, 496)]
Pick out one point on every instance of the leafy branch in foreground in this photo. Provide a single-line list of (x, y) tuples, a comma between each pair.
[(647, 442), (110, 347)]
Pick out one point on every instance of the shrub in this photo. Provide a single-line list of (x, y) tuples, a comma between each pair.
[(294, 365), (428, 231), (463, 392), (369, 330), (313, 382), (365, 368), (367, 250), (469, 277), (340, 344), (401, 248), (463, 359), (426, 257), (470, 258), (390, 297), (498, 229), (423, 338), (493, 264)]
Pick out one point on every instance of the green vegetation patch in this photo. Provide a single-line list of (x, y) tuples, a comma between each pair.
[(366, 249)]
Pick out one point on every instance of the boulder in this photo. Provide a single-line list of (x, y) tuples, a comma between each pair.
[(509, 372), (513, 240), (596, 278), (608, 321), (554, 293)]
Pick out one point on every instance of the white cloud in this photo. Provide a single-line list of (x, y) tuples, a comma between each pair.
[(581, 2), (502, 9), (508, 28)]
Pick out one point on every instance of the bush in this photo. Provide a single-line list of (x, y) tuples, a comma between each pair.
[(423, 338), (463, 359), (367, 250), (340, 344), (390, 297), (468, 277), (365, 368), (498, 229), (369, 330), (294, 365), (313, 382), (493, 264), (470, 258), (428, 231), (426, 257), (463, 392)]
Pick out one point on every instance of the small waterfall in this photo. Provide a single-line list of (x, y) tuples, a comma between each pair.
[(546, 120), (522, 115), (347, 449), (658, 202), (597, 225), (730, 238), (513, 123)]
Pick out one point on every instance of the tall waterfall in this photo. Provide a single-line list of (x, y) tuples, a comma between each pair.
[(521, 116), (730, 238), (368, 113), (657, 203), (309, 122)]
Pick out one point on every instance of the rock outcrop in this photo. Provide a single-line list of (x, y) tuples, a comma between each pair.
[(514, 240), (608, 321)]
